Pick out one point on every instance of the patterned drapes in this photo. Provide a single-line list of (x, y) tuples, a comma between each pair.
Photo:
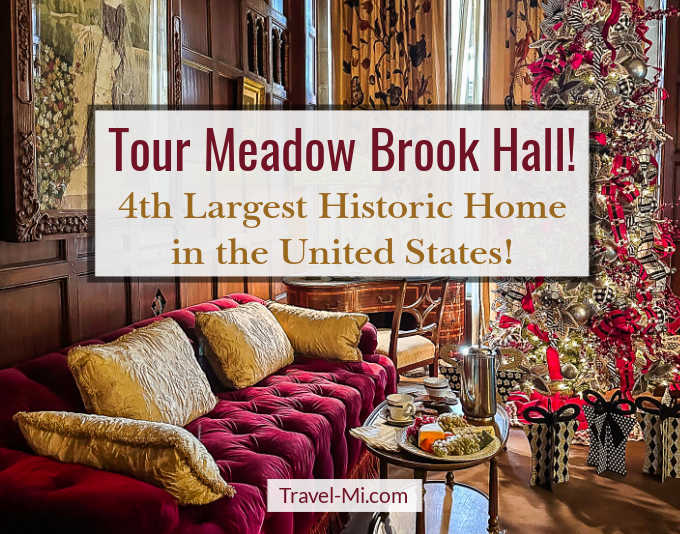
[(389, 53)]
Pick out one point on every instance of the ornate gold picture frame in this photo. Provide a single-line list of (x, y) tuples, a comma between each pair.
[(251, 93), (63, 57)]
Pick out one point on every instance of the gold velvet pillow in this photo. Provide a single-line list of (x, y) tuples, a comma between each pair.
[(244, 344), (321, 334), (163, 455), (150, 374)]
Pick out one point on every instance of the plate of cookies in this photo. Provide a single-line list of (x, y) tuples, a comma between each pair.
[(449, 438)]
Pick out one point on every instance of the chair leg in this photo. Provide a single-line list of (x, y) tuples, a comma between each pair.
[(433, 369)]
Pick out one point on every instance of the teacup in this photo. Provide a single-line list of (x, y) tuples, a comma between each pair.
[(436, 387), (400, 406)]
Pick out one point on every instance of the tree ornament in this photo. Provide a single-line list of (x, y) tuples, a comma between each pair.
[(636, 68), (626, 86), (611, 89), (604, 295), (569, 371), (552, 298), (646, 169), (610, 254), (580, 313)]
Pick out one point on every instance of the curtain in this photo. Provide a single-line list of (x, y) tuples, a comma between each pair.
[(466, 46), (389, 53), (158, 53), (466, 78)]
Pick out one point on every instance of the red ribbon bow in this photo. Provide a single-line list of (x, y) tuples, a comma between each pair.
[(528, 299), (552, 357), (618, 326), (505, 321)]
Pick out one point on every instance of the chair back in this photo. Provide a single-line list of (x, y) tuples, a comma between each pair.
[(423, 300)]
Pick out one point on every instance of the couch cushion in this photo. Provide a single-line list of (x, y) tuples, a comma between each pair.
[(163, 455), (321, 334), (149, 374), (243, 345)]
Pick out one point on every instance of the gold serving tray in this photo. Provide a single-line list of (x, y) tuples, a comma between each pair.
[(488, 451)]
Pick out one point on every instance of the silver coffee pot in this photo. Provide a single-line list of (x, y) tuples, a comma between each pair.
[(478, 384)]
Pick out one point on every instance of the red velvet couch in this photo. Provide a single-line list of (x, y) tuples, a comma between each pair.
[(293, 424)]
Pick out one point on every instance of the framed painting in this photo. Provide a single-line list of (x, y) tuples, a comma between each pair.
[(67, 56), (252, 94)]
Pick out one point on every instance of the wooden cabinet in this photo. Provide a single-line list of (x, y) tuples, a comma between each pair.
[(376, 295)]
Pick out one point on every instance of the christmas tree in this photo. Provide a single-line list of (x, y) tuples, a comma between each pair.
[(616, 328)]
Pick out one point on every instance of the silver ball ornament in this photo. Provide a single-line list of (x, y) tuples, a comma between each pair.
[(612, 89), (580, 313), (569, 371), (610, 253), (636, 68)]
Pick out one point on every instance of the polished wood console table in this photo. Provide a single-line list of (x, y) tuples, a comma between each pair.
[(375, 295)]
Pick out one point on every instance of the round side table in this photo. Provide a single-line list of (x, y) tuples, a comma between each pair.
[(441, 497)]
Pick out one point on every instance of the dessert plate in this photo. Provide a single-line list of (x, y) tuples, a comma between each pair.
[(409, 445)]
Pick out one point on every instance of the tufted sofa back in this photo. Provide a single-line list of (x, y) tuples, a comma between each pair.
[(45, 382)]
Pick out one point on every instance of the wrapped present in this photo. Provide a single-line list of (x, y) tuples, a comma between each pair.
[(660, 422), (520, 401), (550, 435), (451, 371), (609, 423), (507, 380)]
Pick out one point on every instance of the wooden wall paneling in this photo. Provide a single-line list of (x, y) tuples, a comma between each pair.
[(256, 32), (215, 53), (36, 252), (196, 86), (224, 91), (210, 66), (144, 291), (280, 49), (195, 15), (34, 319), (103, 304), (225, 286), (33, 299), (195, 290), (48, 293), (226, 45), (96, 305), (260, 287)]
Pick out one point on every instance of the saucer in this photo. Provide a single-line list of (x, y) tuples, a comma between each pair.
[(450, 400), (395, 422)]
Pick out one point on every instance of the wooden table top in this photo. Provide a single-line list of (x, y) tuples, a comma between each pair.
[(328, 281), (501, 425)]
